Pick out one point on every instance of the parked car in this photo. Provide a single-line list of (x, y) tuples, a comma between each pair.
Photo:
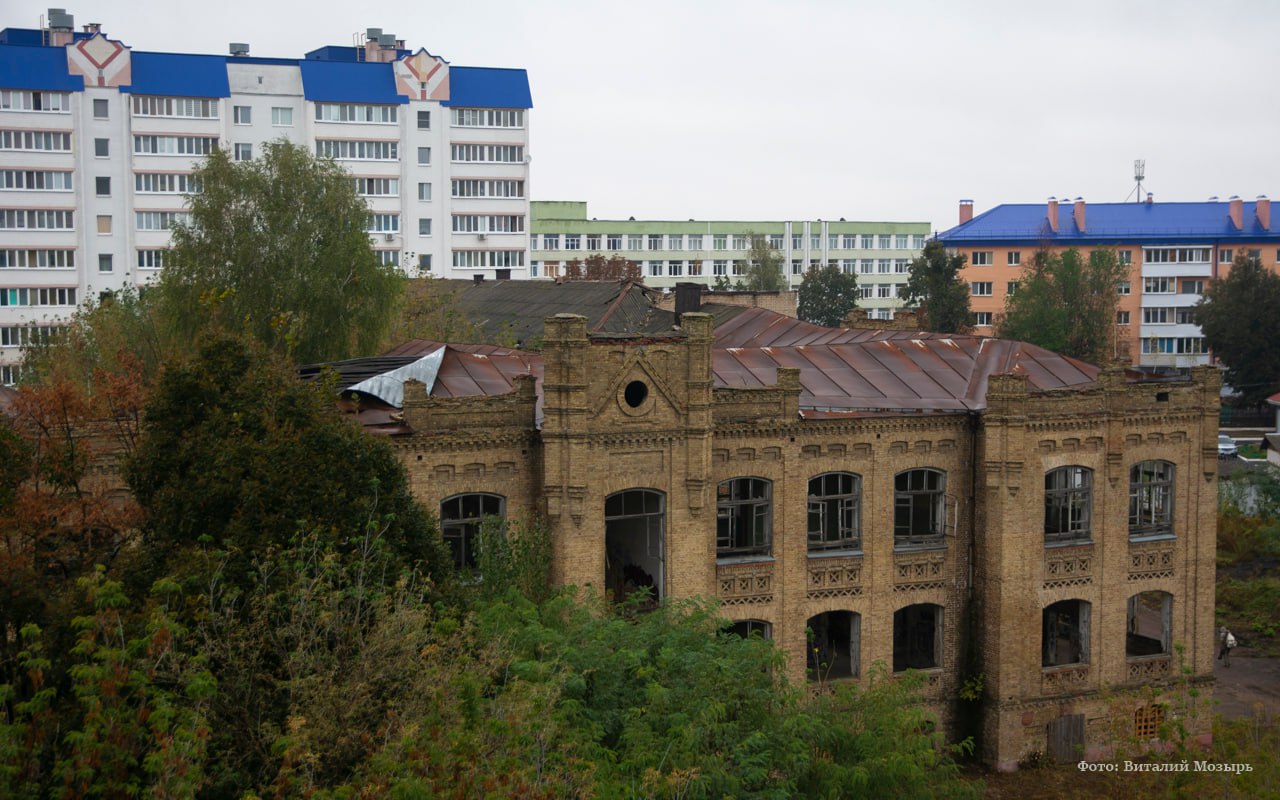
[(1226, 446)]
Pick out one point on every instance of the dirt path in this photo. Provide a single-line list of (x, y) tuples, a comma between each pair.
[(1248, 681)]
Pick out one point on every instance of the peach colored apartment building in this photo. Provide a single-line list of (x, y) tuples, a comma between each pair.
[(1173, 250)]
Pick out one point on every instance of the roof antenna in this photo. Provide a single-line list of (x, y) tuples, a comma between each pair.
[(1139, 172)]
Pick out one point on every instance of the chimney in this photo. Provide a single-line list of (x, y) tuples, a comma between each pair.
[(61, 27), (1235, 210), (1079, 214), (966, 211), (371, 36), (1053, 214), (1264, 211), (92, 28), (238, 49), (688, 299), (1150, 198)]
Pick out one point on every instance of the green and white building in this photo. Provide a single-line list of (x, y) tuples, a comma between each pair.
[(671, 251)]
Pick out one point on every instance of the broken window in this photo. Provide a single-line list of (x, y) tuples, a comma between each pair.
[(749, 629), (917, 637), (460, 518), (919, 507), (743, 517), (834, 522), (834, 642), (1068, 502), (1064, 637), (1150, 618), (633, 533), (1151, 498)]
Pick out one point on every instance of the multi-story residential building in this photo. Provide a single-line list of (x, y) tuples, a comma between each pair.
[(671, 252), (1173, 249), (438, 151)]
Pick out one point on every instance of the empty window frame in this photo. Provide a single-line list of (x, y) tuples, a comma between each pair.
[(749, 629), (744, 522), (1064, 634), (1148, 626), (1151, 498), (460, 520), (917, 637), (834, 518), (834, 642), (919, 507), (1068, 503)]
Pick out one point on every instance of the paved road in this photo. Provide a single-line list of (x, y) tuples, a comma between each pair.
[(1246, 683)]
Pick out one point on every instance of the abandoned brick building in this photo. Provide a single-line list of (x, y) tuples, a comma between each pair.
[(959, 505)]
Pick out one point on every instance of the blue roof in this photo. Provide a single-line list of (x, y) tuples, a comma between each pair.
[(489, 87), (179, 75), (1113, 222), (39, 68), (337, 52), (349, 82)]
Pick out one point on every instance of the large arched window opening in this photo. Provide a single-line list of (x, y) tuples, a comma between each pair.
[(634, 525), (460, 520), (834, 512), (1064, 634), (1068, 504), (834, 644)]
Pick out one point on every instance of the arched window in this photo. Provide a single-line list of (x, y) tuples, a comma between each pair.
[(917, 637), (1068, 504), (1150, 618), (744, 517), (1064, 634), (834, 645), (460, 518), (634, 522), (834, 513), (1151, 498), (919, 507)]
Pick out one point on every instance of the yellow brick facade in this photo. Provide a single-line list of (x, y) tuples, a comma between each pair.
[(991, 572)]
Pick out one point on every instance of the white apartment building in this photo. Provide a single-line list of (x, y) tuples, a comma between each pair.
[(98, 143)]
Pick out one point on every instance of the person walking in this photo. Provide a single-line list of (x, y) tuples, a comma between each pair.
[(1226, 643)]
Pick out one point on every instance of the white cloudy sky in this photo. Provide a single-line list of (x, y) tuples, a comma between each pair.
[(759, 109)]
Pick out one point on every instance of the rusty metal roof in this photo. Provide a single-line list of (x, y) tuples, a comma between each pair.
[(759, 327)]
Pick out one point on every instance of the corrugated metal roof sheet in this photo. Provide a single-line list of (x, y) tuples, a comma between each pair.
[(490, 87), (179, 75), (759, 327), (1188, 223), (349, 82), (37, 68)]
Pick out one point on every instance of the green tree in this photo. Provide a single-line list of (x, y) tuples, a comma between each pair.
[(1241, 327), (935, 289), (763, 271), (278, 247), (1067, 303), (827, 294)]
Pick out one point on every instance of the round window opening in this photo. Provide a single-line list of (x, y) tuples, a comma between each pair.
[(635, 393)]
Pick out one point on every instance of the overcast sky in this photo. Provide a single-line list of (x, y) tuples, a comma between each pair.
[(821, 108)]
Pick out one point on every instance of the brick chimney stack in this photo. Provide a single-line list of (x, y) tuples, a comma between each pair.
[(1079, 214), (1235, 210), (966, 211), (1053, 214), (61, 27), (1263, 205)]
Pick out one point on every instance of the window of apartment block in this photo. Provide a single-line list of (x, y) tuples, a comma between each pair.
[(675, 241), (834, 645), (675, 268), (1151, 498), (1015, 258), (424, 191), (550, 241), (243, 151), (868, 241), (655, 241), (593, 242), (635, 242), (572, 241), (719, 266), (1011, 288), (613, 241), (424, 156), (424, 262), (1149, 619), (242, 115), (1064, 634), (797, 266), (900, 241), (917, 637), (744, 517), (101, 148), (720, 241), (919, 507), (834, 512), (982, 319), (1122, 317), (460, 519), (1224, 256), (282, 116), (1193, 287), (740, 242), (104, 223), (980, 288), (424, 227), (104, 262), (102, 186), (1068, 504), (1124, 256), (917, 241), (424, 120), (100, 108), (815, 242), (981, 258)]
